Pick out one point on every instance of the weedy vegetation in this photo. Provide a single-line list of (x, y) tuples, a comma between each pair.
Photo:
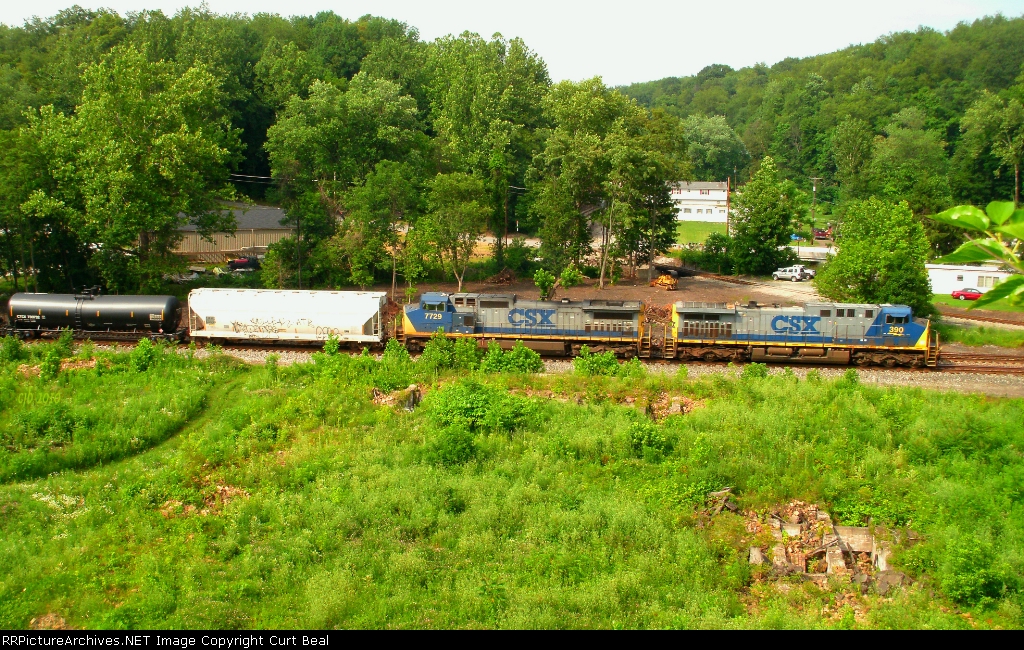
[(167, 489)]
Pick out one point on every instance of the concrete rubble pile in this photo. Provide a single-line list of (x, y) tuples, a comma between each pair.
[(807, 543)]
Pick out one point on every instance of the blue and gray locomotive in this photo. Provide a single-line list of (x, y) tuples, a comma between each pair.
[(831, 333), (551, 327)]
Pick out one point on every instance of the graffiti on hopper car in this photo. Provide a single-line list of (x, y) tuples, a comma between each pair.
[(323, 332), (260, 326)]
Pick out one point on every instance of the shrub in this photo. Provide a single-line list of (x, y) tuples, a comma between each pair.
[(66, 343), (50, 366), (545, 282), (332, 345), (570, 277), (11, 349), (850, 379), (394, 370), (968, 574), (519, 359), (590, 364), (443, 353), (45, 426), (143, 356), (474, 406), (635, 369), (453, 446), (754, 371), (519, 256), (648, 441)]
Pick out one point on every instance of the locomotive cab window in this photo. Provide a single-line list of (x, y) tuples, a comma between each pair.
[(433, 307), (895, 320)]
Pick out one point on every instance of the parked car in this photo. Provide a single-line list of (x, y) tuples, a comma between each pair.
[(808, 272), (244, 263), (791, 273), (820, 233), (967, 294)]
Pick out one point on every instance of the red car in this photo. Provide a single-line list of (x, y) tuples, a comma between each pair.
[(967, 294)]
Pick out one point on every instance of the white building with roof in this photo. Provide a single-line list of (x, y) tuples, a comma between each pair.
[(702, 201), (947, 278)]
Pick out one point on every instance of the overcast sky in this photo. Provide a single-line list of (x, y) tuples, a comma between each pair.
[(621, 41)]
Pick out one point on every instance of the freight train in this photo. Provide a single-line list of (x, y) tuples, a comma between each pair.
[(821, 333)]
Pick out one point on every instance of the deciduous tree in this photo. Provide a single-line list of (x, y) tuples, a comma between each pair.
[(881, 258), (762, 221), (457, 212)]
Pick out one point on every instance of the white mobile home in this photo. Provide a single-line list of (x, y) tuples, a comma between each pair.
[(947, 278)]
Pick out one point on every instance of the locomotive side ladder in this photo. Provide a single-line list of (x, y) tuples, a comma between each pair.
[(669, 345), (931, 353), (643, 344)]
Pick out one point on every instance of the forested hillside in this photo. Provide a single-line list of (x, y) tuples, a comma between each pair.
[(885, 118)]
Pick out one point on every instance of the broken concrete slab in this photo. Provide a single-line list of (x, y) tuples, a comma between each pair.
[(755, 555), (857, 539), (779, 561), (880, 552), (792, 530), (886, 581)]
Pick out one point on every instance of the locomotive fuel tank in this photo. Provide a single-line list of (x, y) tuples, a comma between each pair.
[(41, 312)]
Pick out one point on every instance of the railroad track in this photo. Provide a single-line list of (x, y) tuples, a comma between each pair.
[(981, 319)]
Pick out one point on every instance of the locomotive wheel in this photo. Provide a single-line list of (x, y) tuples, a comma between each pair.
[(889, 362), (709, 356)]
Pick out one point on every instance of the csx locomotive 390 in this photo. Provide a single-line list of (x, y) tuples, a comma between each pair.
[(827, 333), (836, 333)]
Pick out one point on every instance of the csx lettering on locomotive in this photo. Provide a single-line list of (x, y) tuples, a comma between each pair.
[(796, 324), (532, 317)]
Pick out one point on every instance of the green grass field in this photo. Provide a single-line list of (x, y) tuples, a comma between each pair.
[(999, 305), (981, 335), (286, 497), (696, 232)]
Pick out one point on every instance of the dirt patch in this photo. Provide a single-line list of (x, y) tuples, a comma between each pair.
[(214, 503), (77, 364), (48, 622), (28, 371)]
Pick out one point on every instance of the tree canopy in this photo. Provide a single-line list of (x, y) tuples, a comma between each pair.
[(116, 131)]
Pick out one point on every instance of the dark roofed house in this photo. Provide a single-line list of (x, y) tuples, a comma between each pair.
[(257, 226)]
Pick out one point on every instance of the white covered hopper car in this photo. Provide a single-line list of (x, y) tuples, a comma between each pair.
[(265, 314)]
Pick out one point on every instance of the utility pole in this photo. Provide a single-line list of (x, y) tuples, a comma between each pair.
[(814, 201)]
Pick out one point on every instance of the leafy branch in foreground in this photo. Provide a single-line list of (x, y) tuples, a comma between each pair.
[(995, 234)]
